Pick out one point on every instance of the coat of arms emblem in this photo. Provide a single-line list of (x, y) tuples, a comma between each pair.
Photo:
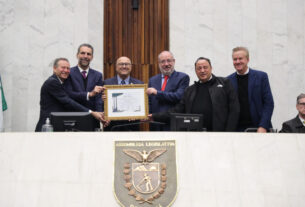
[(145, 173)]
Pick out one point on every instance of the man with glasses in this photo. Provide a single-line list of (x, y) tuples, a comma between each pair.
[(296, 125), (166, 89), (123, 69), (213, 97)]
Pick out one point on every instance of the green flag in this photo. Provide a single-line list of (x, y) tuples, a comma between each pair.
[(4, 105)]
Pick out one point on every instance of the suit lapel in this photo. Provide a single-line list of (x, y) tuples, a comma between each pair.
[(90, 78), (234, 82), (251, 83), (159, 81), (79, 77), (169, 84)]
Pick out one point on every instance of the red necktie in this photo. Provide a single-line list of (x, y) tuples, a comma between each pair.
[(164, 82)]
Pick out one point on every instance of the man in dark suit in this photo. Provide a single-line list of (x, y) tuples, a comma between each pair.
[(123, 69), (254, 93), (53, 97), (213, 97), (85, 84), (296, 125), (166, 89)]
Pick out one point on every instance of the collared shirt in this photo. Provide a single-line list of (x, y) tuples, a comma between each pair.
[(61, 82), (302, 120), (247, 71), (81, 70), (127, 80), (162, 80)]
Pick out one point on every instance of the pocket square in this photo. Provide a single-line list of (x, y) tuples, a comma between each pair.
[(219, 86)]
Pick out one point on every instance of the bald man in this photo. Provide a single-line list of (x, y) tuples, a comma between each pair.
[(123, 69)]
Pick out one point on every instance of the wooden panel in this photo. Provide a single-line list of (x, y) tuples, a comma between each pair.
[(140, 34)]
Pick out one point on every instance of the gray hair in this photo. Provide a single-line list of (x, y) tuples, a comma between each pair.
[(55, 64), (165, 51), (241, 49), (302, 95)]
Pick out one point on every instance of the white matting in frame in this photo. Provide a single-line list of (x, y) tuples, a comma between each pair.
[(126, 102)]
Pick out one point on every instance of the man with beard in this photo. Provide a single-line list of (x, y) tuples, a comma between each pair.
[(53, 97), (85, 83), (254, 93), (297, 124), (123, 69), (213, 97), (166, 89)]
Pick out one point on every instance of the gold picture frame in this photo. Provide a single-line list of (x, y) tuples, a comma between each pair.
[(126, 102)]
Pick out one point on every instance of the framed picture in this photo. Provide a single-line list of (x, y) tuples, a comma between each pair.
[(124, 102)]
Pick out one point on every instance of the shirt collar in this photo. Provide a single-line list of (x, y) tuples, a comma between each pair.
[(126, 80), (247, 71), (61, 82), (162, 75), (81, 70), (302, 120)]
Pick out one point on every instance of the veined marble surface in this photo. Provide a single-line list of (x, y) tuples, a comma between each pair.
[(33, 33), (214, 169)]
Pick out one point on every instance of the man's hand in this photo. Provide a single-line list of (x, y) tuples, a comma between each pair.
[(261, 130), (103, 96), (149, 117), (106, 123), (98, 115), (152, 91), (96, 90)]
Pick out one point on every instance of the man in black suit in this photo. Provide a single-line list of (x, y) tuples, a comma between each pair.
[(213, 97), (53, 97), (296, 125), (123, 69)]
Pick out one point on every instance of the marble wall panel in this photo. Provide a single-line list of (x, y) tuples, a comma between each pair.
[(33, 33)]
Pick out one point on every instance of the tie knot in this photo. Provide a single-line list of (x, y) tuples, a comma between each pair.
[(123, 82), (84, 73), (164, 83)]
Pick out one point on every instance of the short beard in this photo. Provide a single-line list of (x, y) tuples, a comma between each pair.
[(166, 72)]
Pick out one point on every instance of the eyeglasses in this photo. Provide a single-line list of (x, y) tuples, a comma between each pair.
[(168, 60), (302, 104), (122, 64)]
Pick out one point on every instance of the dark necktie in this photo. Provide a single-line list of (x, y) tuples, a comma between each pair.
[(123, 82), (84, 74), (164, 83)]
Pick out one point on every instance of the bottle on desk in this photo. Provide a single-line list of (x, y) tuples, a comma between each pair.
[(47, 127)]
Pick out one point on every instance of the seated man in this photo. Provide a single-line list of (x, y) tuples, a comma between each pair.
[(297, 124), (53, 97), (123, 69), (213, 97)]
